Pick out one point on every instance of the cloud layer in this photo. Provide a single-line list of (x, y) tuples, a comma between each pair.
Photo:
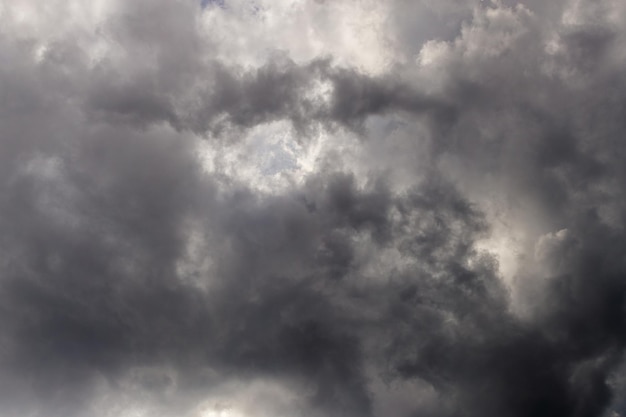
[(312, 208)]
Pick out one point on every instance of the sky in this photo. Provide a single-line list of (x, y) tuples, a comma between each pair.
[(312, 208)]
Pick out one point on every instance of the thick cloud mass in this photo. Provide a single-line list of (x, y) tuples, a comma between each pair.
[(312, 208)]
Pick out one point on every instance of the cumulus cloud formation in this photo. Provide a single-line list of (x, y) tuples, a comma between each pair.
[(312, 208)]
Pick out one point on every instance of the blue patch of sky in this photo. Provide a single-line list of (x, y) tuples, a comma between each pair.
[(274, 157)]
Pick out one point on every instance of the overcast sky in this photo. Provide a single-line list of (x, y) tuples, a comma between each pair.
[(312, 208)]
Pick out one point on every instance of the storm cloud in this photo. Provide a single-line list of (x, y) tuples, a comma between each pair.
[(312, 208)]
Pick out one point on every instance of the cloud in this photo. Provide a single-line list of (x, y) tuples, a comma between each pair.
[(151, 265)]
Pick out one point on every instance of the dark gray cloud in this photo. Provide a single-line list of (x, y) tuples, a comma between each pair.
[(135, 278)]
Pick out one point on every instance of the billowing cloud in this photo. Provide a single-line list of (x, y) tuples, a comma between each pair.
[(312, 208)]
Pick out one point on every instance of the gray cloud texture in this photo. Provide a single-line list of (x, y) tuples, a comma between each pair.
[(443, 236)]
